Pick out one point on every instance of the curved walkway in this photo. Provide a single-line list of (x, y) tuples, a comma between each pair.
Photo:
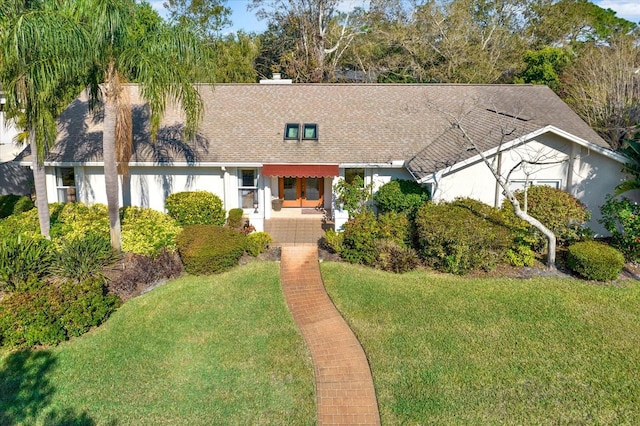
[(344, 386)]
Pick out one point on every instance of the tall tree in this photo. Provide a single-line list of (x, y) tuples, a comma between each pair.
[(162, 62), (41, 50), (208, 17), (311, 22), (603, 87)]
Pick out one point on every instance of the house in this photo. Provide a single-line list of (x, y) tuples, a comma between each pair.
[(13, 178), (291, 142)]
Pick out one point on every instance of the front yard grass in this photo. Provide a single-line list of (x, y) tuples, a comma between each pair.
[(452, 350), (200, 350)]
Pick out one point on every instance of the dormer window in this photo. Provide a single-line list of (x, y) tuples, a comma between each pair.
[(310, 131), (292, 131)]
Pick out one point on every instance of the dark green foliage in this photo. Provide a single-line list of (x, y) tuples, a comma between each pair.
[(53, 313), (401, 196), (83, 258), (359, 238), (558, 210), (395, 227), (544, 66), (595, 261), (138, 272), (458, 239), (235, 218), (14, 204), (258, 242), (207, 249), (24, 261), (395, 258), (196, 208), (621, 217)]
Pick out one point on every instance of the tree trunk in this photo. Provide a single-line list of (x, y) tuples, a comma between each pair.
[(111, 169), (39, 179), (551, 238)]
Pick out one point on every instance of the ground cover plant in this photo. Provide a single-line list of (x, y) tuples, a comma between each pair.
[(199, 350), (450, 350)]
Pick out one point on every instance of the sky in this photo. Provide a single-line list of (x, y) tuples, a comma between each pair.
[(246, 21)]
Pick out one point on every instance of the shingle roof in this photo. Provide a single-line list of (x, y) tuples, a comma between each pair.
[(357, 123)]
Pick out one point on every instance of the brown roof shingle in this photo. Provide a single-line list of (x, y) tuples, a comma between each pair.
[(357, 123)]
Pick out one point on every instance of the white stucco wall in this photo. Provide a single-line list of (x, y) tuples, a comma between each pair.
[(586, 174)]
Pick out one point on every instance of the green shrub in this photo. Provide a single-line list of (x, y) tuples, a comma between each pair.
[(395, 227), (83, 258), (196, 208), (24, 261), (353, 195), (401, 196), (595, 261), (25, 223), (257, 242), (621, 217), (53, 313), (521, 251), (558, 210), (359, 238), (206, 249), (456, 239), (14, 204), (395, 258), (147, 231), (235, 219), (333, 240), (71, 221)]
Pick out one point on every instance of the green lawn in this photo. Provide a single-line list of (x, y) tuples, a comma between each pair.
[(450, 350), (197, 351)]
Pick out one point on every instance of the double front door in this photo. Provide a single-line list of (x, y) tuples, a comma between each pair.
[(301, 191)]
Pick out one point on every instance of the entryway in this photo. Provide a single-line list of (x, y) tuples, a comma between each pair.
[(301, 191)]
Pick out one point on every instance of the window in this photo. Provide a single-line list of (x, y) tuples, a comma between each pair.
[(292, 131), (310, 131), (66, 185), (516, 185), (248, 188), (351, 174)]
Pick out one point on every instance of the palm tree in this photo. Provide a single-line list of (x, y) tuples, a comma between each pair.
[(161, 61), (41, 48)]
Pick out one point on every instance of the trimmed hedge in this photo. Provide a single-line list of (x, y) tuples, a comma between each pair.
[(595, 261), (148, 232), (359, 238), (53, 313), (401, 196), (235, 219), (196, 208), (208, 249), (458, 239)]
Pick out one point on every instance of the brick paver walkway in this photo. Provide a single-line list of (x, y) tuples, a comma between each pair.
[(344, 386)]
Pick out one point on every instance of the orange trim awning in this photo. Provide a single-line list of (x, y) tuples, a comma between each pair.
[(300, 170)]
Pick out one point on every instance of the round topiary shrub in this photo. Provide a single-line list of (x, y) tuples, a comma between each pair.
[(207, 249), (558, 210), (595, 261), (235, 218), (196, 208), (400, 196)]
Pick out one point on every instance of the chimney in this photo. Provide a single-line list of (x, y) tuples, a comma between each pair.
[(277, 79)]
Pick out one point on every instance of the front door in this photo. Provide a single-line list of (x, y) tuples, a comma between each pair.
[(301, 192)]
